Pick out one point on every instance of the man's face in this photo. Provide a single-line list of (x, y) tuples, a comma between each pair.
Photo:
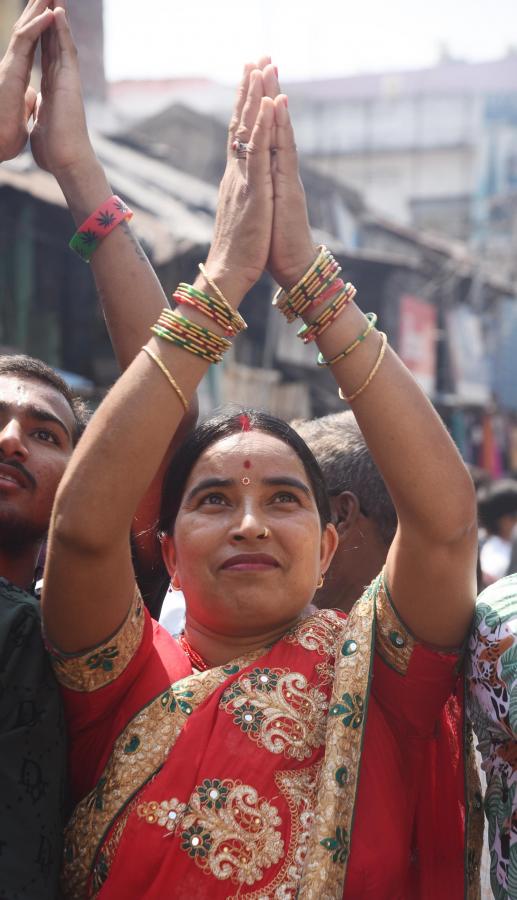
[(36, 437)]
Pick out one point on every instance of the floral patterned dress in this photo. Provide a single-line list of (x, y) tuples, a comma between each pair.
[(243, 781), (493, 710)]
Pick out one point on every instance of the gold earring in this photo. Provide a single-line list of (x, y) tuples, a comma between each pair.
[(175, 585), (265, 533), (320, 582)]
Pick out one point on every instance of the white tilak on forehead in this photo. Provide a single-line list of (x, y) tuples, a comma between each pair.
[(21, 394)]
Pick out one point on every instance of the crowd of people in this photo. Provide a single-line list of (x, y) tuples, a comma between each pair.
[(305, 731)]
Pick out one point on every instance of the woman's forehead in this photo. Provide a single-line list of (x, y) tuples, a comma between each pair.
[(250, 450)]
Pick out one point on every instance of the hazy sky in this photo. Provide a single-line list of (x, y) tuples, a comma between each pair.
[(308, 38)]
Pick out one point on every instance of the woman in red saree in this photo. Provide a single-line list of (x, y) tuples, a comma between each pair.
[(269, 753)]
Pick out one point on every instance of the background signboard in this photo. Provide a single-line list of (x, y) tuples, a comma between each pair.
[(468, 357), (417, 339)]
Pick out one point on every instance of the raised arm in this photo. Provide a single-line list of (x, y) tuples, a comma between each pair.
[(17, 99), (88, 581), (128, 288), (432, 561), (129, 291)]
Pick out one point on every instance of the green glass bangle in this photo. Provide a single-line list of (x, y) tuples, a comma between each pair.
[(195, 328), (186, 345), (372, 321)]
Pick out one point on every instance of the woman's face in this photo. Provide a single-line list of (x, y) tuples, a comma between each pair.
[(248, 550)]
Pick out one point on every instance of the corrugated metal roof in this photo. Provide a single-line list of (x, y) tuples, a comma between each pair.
[(174, 210)]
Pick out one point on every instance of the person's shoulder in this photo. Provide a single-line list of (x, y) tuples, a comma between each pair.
[(492, 663), (15, 600), (497, 604)]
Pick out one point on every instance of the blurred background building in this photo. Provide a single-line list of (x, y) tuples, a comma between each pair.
[(411, 179)]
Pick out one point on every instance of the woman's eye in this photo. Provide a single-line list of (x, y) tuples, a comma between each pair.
[(285, 497), (47, 436), (213, 500)]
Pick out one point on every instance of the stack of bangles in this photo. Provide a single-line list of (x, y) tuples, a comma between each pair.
[(216, 308), (173, 327), (320, 284), (317, 285), (197, 339)]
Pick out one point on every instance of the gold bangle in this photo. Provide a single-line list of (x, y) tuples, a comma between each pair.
[(373, 373), (372, 321), (235, 316), (172, 381)]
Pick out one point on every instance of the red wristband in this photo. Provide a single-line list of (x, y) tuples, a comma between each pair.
[(88, 237)]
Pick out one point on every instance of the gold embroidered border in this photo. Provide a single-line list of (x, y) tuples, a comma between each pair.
[(474, 819), (138, 753), (329, 844), (298, 787), (394, 643), (101, 665)]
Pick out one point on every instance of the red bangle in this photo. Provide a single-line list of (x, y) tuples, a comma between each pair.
[(88, 237)]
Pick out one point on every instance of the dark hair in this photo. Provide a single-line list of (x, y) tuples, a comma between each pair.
[(216, 428), (343, 456), (497, 500), (28, 367)]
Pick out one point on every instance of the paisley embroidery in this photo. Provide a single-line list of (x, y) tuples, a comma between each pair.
[(226, 828), (319, 632), (137, 755), (278, 710), (299, 788)]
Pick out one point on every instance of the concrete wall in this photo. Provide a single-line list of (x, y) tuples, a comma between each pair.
[(392, 180)]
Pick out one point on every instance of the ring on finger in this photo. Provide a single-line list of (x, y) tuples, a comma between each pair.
[(240, 148)]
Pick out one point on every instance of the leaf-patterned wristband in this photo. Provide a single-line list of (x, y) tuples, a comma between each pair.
[(88, 237)]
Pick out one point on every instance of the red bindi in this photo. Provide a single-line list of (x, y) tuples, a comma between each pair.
[(247, 464)]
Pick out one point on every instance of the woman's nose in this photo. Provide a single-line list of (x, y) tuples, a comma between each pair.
[(249, 526)]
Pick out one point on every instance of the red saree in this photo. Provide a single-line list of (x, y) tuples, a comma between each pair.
[(243, 781)]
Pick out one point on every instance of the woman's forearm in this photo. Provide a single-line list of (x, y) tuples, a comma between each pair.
[(426, 477), (122, 449)]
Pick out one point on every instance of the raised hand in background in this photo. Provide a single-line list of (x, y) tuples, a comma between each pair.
[(17, 98), (59, 137)]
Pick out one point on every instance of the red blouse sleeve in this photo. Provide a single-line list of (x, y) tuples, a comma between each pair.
[(104, 687), (411, 681)]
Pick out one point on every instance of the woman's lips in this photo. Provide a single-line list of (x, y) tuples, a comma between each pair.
[(250, 562)]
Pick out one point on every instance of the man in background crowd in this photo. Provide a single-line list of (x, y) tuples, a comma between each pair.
[(362, 509), (497, 506)]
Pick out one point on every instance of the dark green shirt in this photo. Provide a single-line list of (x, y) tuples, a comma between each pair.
[(32, 754)]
